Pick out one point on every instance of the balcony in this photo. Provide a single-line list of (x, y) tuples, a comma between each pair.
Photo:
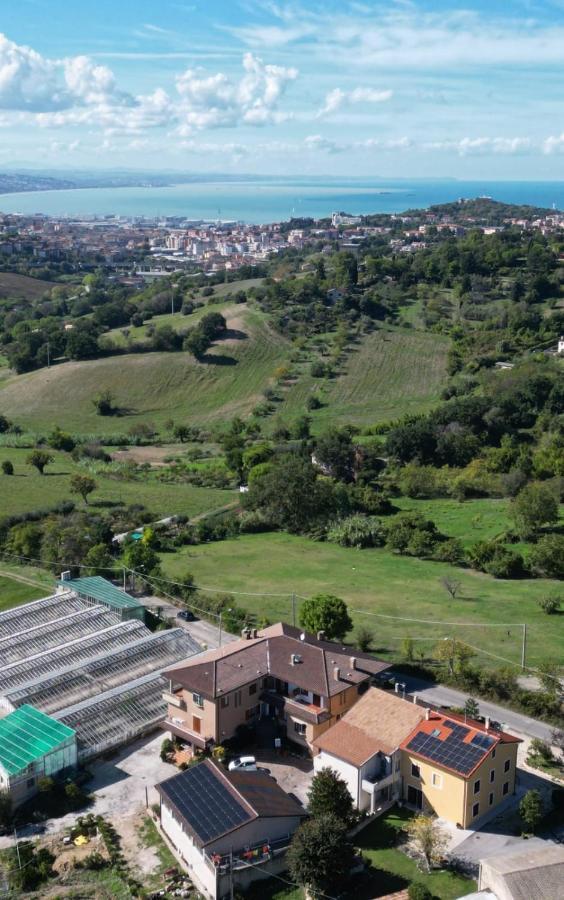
[(181, 730), (293, 706), (252, 855), (377, 782), (174, 700)]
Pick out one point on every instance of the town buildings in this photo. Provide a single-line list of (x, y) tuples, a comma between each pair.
[(299, 682)]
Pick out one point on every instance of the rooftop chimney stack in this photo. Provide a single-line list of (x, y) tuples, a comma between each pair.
[(427, 714), (337, 673), (487, 723), (320, 635), (353, 662)]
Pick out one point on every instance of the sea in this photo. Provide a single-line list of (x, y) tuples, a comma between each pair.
[(265, 200)]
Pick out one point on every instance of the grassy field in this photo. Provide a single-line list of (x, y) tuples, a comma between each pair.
[(388, 375), (21, 287), (471, 521), (27, 489), (377, 584), (177, 320), (13, 591), (151, 387)]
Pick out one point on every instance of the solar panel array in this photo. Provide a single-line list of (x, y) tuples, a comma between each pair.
[(450, 752), (485, 741), (203, 800)]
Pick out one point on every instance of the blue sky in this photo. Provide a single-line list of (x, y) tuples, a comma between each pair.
[(356, 87)]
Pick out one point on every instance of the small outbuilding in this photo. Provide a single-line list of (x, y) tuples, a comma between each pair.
[(101, 592), (230, 828), (33, 746)]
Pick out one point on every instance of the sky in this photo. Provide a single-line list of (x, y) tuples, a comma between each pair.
[(402, 88)]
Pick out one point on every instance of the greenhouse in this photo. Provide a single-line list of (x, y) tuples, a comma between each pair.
[(116, 717), (89, 662), (74, 683)]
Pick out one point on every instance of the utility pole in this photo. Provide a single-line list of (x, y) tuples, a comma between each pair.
[(220, 625), (48, 355), (172, 299), (524, 647), (17, 848)]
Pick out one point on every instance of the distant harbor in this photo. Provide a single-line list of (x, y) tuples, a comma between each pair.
[(261, 201)]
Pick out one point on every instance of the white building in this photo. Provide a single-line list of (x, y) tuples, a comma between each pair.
[(561, 344), (227, 825), (363, 747)]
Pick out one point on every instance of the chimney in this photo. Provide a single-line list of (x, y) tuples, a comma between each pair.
[(246, 634), (415, 698), (337, 673), (487, 723), (427, 714), (353, 662), (320, 635)]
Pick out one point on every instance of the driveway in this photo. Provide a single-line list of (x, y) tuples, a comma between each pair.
[(292, 773), (120, 786)]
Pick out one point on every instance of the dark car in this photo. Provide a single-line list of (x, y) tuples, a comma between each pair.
[(186, 615)]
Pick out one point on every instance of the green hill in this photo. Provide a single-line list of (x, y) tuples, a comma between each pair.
[(152, 386)]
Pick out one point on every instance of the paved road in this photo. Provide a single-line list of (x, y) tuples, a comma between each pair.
[(446, 696), (201, 630)]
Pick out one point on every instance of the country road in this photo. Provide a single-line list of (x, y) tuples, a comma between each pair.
[(441, 695)]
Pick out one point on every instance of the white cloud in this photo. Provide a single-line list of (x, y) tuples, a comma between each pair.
[(467, 146), (338, 98), (27, 80), (214, 101), (553, 144), (319, 143)]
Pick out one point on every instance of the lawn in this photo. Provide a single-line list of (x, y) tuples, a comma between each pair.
[(151, 387), (27, 489), (177, 320), (391, 870), (377, 584), (390, 373), (13, 591), (471, 521)]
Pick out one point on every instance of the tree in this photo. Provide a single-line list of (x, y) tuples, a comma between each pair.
[(39, 459), (535, 505), (7, 467), (471, 708), (142, 559), (329, 795), (334, 451), (327, 613), (530, 809), (105, 403), (196, 342), (320, 856), (547, 556), (5, 811), (451, 585), (419, 891), (549, 673), (407, 648), (99, 561), (291, 496), (454, 653), (61, 440), (363, 638), (427, 839), (181, 433), (82, 485)]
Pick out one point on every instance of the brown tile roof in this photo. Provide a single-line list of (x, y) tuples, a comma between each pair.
[(378, 722), (271, 653)]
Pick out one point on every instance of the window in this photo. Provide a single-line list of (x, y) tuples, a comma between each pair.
[(198, 700), (415, 771), (398, 763), (196, 724), (507, 765), (437, 780), (30, 782), (475, 810), (493, 753), (492, 776), (491, 799), (237, 697), (299, 728), (477, 786), (224, 702), (505, 788), (252, 689)]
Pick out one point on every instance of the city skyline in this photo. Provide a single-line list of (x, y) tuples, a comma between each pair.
[(252, 86)]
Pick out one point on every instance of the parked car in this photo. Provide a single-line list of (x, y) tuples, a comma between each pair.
[(243, 764), (186, 615)]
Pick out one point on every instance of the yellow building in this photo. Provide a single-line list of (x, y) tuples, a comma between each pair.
[(459, 770)]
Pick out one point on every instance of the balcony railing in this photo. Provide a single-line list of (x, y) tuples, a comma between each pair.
[(252, 855), (373, 783), (181, 729)]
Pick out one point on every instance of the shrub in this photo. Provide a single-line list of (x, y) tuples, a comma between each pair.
[(7, 467), (547, 556), (496, 560), (550, 603), (357, 531), (363, 638), (418, 891)]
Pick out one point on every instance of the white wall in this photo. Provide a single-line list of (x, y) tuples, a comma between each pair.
[(349, 773), (190, 853)]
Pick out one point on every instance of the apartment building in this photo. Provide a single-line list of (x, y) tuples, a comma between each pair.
[(300, 681)]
